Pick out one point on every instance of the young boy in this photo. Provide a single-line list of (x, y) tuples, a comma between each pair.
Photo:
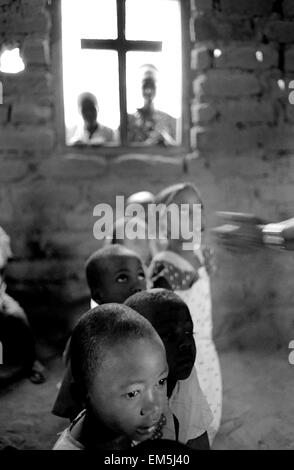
[(113, 274), (119, 363), (171, 318)]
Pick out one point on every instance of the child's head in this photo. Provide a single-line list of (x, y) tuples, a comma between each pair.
[(119, 362), (182, 193), (114, 273), (171, 318)]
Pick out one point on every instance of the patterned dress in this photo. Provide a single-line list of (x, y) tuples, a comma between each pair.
[(170, 270), (140, 129)]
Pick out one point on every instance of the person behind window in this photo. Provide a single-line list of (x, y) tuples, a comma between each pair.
[(149, 125), (90, 132)]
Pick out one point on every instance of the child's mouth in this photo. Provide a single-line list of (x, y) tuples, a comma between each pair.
[(154, 431), (143, 430)]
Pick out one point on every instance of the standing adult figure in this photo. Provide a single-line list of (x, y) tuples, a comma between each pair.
[(148, 125)]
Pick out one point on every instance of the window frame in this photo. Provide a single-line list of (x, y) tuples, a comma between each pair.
[(179, 150)]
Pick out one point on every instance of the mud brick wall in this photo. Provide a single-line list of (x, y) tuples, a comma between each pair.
[(242, 129)]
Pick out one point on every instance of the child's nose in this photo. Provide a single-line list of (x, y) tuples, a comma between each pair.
[(152, 408), (137, 288)]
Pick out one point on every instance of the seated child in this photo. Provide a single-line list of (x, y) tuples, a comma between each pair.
[(185, 272), (16, 337), (113, 274), (119, 363), (137, 224), (171, 318)]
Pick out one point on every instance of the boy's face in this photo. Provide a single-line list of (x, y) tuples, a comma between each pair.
[(129, 391), (148, 89), (175, 327), (122, 277), (89, 112)]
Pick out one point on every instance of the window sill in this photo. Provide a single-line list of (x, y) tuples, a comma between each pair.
[(110, 151)]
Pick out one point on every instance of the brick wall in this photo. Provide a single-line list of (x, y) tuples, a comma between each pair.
[(242, 128)]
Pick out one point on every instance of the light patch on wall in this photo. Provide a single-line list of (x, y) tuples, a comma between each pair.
[(281, 84), (11, 61), (259, 56), (217, 53)]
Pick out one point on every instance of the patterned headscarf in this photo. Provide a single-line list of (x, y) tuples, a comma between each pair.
[(167, 197)]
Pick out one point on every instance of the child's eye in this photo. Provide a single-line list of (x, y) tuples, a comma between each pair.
[(132, 395), (141, 276), (162, 382), (122, 278)]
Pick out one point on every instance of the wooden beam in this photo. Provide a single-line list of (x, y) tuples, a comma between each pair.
[(121, 45)]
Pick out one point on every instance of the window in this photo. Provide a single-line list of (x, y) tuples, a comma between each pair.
[(123, 64)]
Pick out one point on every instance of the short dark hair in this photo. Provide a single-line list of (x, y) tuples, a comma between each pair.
[(95, 264), (97, 331), (87, 96), (154, 302)]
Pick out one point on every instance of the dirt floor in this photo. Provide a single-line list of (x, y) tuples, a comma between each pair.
[(258, 411)]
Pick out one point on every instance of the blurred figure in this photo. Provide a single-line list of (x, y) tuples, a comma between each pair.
[(91, 132), (16, 337), (186, 272), (149, 125)]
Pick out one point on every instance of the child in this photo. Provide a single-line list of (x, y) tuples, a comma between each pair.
[(16, 337), (171, 318), (113, 274), (184, 271), (119, 362)]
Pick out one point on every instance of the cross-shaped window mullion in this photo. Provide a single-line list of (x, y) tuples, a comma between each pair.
[(122, 46)]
